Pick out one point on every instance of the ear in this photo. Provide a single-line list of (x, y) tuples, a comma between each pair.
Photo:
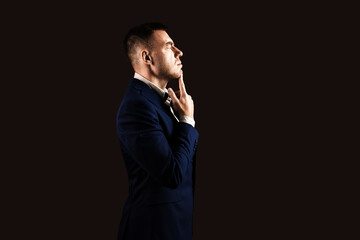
[(145, 56)]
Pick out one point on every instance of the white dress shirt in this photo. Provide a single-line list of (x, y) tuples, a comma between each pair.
[(161, 93)]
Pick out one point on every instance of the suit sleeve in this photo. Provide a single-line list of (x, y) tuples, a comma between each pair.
[(141, 134)]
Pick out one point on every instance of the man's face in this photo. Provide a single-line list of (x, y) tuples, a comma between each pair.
[(166, 62)]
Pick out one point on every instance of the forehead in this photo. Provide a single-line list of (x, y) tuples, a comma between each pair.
[(160, 37)]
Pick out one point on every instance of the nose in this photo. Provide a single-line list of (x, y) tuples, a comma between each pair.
[(178, 52)]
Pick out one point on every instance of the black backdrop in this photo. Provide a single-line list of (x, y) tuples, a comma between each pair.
[(245, 68)]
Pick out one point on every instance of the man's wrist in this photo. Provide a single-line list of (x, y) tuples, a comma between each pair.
[(187, 119)]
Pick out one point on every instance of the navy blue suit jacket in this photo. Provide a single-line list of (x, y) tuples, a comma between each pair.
[(159, 155)]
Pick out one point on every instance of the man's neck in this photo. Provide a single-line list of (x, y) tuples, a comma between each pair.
[(158, 82)]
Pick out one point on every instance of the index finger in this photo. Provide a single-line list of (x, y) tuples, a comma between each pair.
[(182, 84)]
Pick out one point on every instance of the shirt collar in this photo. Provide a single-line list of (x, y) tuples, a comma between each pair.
[(158, 90)]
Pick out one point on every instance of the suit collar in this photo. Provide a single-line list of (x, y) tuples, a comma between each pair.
[(147, 92)]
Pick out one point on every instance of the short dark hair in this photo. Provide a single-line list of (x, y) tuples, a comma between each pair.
[(140, 33)]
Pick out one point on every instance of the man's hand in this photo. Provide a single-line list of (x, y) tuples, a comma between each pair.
[(183, 105)]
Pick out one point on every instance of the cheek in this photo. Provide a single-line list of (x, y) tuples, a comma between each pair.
[(170, 59), (160, 59), (164, 59)]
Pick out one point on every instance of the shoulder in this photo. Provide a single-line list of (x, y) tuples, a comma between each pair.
[(134, 100), (136, 113), (135, 107)]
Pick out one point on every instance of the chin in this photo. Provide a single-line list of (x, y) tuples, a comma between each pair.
[(176, 75)]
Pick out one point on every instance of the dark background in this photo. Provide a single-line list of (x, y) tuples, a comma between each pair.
[(249, 70)]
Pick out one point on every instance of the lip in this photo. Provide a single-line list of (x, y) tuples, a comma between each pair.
[(179, 64)]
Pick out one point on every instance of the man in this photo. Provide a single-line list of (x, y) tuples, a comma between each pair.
[(158, 140)]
